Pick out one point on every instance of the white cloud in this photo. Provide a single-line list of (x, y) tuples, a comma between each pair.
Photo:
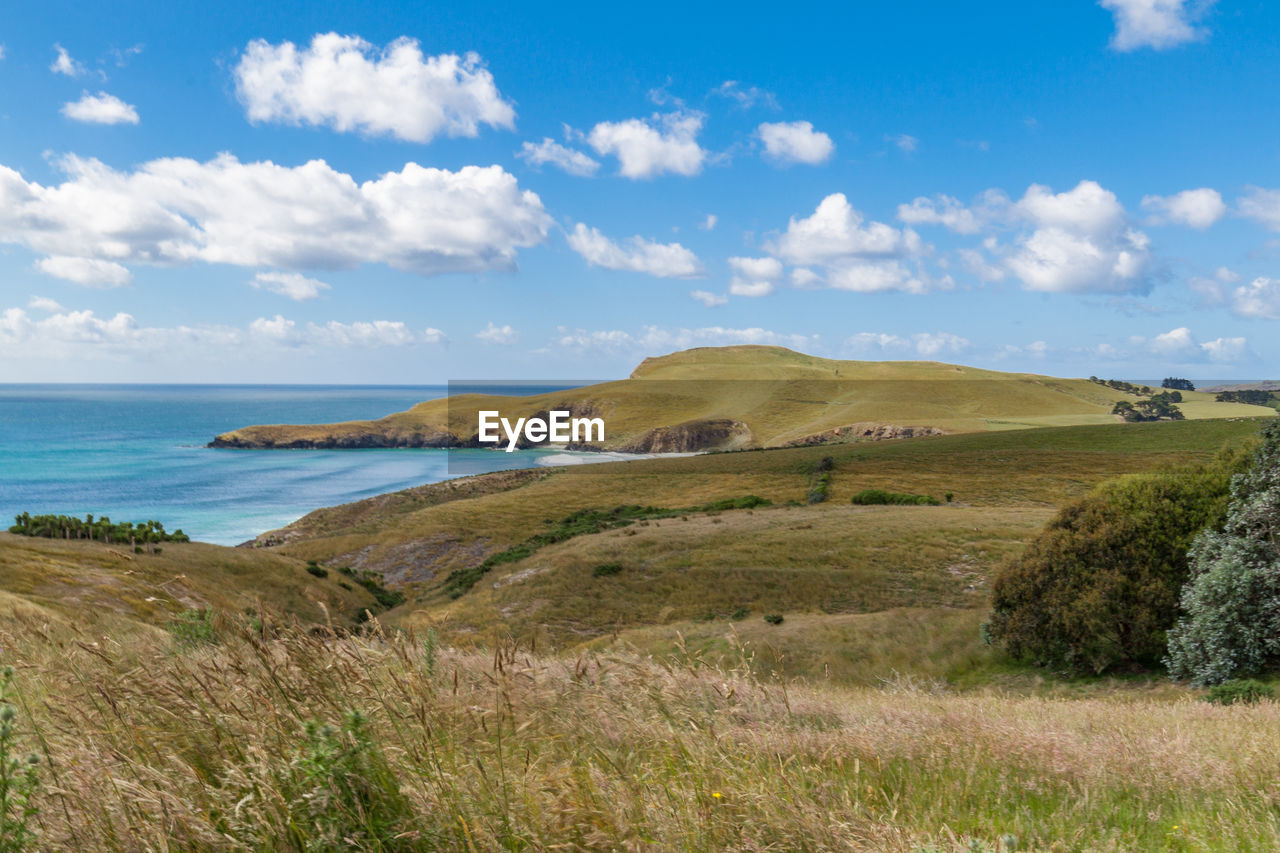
[(1177, 346), (291, 284), (1, 51), (492, 334), (754, 276), (1193, 208), (664, 260), (548, 151), (378, 333), (44, 303), (87, 271), (1080, 242), (926, 344), (64, 64), (795, 142), (1211, 289), (905, 142), (1260, 299), (835, 231), (941, 210), (747, 97), (654, 339), (646, 148), (345, 83), (709, 224), (855, 255), (1263, 206), (1157, 24), (804, 278), (176, 210), (101, 108), (707, 298)]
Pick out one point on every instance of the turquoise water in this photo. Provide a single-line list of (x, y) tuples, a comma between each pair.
[(136, 452)]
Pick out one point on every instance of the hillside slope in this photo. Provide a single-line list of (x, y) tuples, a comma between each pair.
[(721, 398)]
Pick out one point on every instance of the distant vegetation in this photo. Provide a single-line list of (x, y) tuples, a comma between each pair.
[(821, 480), (149, 533), (1176, 384), (1159, 408), (1126, 387), (1251, 397), (874, 497)]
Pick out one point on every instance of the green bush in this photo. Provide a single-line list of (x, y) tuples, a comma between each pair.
[(873, 497), (18, 778), (1231, 626), (194, 628), (604, 570), (774, 618), (1240, 691), (740, 614), (316, 570), (1099, 587)]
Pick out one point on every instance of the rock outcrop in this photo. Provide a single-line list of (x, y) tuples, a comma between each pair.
[(865, 432), (691, 437)]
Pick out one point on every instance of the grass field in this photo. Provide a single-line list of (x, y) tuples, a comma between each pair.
[(789, 397), (388, 743)]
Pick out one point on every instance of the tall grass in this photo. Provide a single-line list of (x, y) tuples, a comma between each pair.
[(291, 741)]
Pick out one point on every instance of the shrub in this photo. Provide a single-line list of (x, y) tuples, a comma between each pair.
[(1232, 601), (194, 628), (604, 570), (740, 614), (314, 569), (1240, 691), (872, 497), (1098, 588), (774, 618), (18, 778)]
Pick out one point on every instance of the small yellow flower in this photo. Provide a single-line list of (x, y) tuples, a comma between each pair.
[(717, 795)]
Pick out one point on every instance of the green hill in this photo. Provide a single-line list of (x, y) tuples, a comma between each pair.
[(720, 398)]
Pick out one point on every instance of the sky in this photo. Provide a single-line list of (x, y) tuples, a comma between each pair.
[(415, 193)]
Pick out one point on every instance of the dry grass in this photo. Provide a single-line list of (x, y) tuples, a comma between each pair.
[(149, 748)]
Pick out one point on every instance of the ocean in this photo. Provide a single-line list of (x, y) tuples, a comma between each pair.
[(137, 452)]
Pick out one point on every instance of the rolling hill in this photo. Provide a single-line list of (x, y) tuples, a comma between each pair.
[(723, 398)]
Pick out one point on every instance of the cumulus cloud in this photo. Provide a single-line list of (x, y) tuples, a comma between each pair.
[(365, 335), (942, 210), (754, 276), (1263, 206), (707, 298), (927, 344), (44, 303), (1158, 24), (492, 334), (1177, 346), (1080, 242), (1259, 299), (663, 260), (795, 142), (64, 64), (550, 152), (84, 335), (294, 285), (347, 84), (709, 224), (1193, 208), (1211, 289), (101, 108), (87, 271), (646, 148), (745, 97), (654, 339), (854, 254), (176, 210)]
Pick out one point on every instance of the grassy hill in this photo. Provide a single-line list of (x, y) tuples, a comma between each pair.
[(99, 589), (755, 396)]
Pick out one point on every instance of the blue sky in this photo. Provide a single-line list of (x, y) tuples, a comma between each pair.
[(405, 193)]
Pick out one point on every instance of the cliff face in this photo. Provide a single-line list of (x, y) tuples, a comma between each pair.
[(691, 437), (277, 438), (865, 432)]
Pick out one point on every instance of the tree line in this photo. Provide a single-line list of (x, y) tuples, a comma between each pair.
[(149, 533)]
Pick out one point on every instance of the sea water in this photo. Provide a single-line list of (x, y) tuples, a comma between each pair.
[(137, 452)]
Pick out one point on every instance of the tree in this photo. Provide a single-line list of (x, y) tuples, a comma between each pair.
[(1099, 587), (1178, 384), (1232, 600)]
